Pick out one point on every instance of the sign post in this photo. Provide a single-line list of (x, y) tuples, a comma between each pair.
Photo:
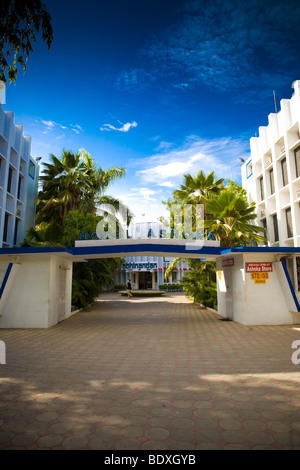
[(259, 271)]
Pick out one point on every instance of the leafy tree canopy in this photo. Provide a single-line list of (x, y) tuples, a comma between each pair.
[(75, 182), (231, 220), (20, 22)]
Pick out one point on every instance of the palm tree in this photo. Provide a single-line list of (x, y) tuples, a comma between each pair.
[(231, 217), (196, 189), (73, 182), (44, 235)]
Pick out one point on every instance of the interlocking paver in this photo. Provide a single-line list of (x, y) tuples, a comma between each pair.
[(156, 374), (230, 424), (74, 442), (260, 437), (157, 434), (127, 444), (49, 441)]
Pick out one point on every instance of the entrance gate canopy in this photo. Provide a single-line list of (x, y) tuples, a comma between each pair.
[(177, 248), (93, 249), (256, 285)]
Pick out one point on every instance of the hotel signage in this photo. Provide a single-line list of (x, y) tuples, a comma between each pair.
[(139, 266), (259, 267), (259, 271)]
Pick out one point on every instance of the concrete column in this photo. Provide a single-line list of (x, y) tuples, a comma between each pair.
[(153, 280), (35, 293), (137, 283)]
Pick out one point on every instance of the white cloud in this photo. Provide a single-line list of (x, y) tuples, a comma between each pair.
[(124, 127), (141, 194), (145, 203), (167, 184), (51, 125), (218, 155), (163, 172), (76, 126), (164, 146)]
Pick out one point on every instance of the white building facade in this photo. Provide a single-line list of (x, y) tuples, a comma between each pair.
[(271, 175), (19, 174), (148, 272)]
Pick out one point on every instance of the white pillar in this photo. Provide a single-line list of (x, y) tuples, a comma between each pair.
[(137, 281), (153, 280)]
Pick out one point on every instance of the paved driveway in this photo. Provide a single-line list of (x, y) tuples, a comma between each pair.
[(158, 374)]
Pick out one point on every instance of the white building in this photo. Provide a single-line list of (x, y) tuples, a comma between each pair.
[(272, 174), (18, 182), (148, 272)]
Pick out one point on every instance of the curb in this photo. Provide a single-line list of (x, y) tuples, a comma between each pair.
[(207, 308)]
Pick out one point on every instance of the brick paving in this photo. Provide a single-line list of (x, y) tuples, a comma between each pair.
[(150, 373)]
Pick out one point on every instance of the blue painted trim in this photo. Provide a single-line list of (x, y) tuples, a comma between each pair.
[(4, 282), (290, 285), (33, 250), (261, 249), (170, 249), (205, 250), (250, 161)]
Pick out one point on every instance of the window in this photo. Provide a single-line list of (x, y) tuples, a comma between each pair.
[(5, 230), (10, 176), (289, 226), (275, 228), (16, 232), (249, 170), (298, 271), (271, 174), (31, 169), (19, 187), (264, 224), (297, 161), (261, 185), (284, 172)]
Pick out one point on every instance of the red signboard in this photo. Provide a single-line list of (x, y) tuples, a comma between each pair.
[(259, 267), (227, 262)]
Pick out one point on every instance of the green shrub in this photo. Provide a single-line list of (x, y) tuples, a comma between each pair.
[(118, 287), (200, 285)]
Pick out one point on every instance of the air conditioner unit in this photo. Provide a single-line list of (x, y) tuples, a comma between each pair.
[(268, 161), (282, 148), (298, 193), (18, 212), (262, 214)]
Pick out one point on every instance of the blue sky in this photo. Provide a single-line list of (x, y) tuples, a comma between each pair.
[(161, 87)]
